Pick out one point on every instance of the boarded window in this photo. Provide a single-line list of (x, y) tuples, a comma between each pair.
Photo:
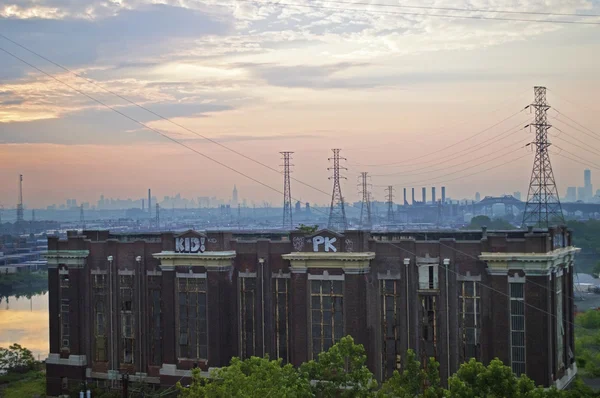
[(193, 330), (390, 317), (327, 316), (248, 316), (65, 306), (155, 321), (470, 319), (281, 305), (560, 330), (127, 319), (428, 277), (517, 327), (100, 316)]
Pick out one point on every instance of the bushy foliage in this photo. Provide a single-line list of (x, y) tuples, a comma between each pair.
[(16, 359)]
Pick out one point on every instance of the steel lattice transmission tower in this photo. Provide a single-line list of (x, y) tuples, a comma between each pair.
[(287, 192), (390, 204), (365, 205), (20, 203), (543, 205), (337, 213)]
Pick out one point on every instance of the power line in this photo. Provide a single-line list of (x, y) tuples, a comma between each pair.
[(418, 14), (447, 147), (579, 160), (594, 135), (576, 139), (482, 10)]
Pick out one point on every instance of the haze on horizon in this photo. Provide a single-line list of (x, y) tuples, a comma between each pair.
[(263, 78)]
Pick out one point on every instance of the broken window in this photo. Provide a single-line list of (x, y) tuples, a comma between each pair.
[(155, 321), (99, 292), (469, 319), (429, 325), (428, 277), (248, 315), (193, 333), (281, 300), (390, 316), (560, 331), (127, 323), (65, 329), (517, 327), (327, 316)]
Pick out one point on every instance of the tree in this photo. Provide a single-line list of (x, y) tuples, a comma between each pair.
[(253, 377), (484, 221), (307, 229), (16, 359), (414, 381), (341, 371)]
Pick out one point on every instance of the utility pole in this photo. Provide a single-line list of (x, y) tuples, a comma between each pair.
[(81, 218), (337, 213), (390, 204), (288, 223), (20, 202), (543, 204), (365, 204)]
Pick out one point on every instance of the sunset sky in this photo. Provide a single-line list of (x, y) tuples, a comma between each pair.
[(400, 94)]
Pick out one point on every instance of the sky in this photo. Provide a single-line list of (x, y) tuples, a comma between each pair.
[(414, 100)]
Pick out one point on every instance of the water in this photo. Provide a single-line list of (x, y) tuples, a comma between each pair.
[(25, 321)]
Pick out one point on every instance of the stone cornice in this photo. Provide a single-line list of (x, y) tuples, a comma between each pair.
[(220, 260), (351, 263), (532, 263), (70, 258)]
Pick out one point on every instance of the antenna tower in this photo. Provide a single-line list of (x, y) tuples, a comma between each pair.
[(288, 224), (337, 213), (20, 203), (543, 204), (365, 205), (81, 218), (390, 204)]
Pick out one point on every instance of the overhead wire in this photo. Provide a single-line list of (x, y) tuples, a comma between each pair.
[(281, 4)]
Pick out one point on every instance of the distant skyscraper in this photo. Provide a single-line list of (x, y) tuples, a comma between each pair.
[(517, 195), (581, 194), (477, 196), (571, 194), (587, 184), (234, 197)]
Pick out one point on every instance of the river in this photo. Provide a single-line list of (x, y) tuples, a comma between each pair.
[(25, 321)]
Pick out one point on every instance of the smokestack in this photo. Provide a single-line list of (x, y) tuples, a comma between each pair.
[(443, 195), (149, 201), (413, 196), (424, 192), (433, 195), (405, 203)]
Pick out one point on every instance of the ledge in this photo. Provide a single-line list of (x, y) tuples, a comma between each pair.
[(73, 360), (70, 258), (351, 263), (533, 263), (220, 260)]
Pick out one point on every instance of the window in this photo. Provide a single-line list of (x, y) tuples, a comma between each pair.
[(280, 304), (560, 331), (517, 327), (428, 277), (155, 321), (429, 325), (127, 323), (327, 316), (248, 315), (193, 337), (469, 319), (99, 293), (390, 317), (65, 306)]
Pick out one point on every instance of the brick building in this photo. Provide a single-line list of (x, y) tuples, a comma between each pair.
[(156, 305)]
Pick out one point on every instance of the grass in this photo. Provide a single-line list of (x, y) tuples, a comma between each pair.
[(32, 386)]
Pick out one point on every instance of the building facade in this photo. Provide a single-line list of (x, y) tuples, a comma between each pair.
[(154, 306)]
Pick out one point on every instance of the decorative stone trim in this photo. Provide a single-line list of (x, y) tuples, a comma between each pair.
[(247, 274), (468, 277), (428, 261), (517, 279), (531, 263), (73, 360), (352, 263), (98, 272), (191, 275), (326, 277), (218, 261), (70, 258), (139, 377), (171, 370), (126, 272), (280, 275), (154, 273)]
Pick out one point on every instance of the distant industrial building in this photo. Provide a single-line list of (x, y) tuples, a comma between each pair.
[(156, 305)]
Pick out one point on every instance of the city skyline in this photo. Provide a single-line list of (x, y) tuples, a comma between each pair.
[(383, 88)]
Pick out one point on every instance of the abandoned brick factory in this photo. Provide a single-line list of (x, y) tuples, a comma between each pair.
[(155, 305)]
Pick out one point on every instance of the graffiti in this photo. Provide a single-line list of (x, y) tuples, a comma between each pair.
[(298, 243), (349, 245), (190, 245)]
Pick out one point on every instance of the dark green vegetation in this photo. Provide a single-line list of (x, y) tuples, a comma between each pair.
[(587, 343), (484, 221), (342, 372), (586, 235), (307, 229), (23, 284), (24, 378)]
